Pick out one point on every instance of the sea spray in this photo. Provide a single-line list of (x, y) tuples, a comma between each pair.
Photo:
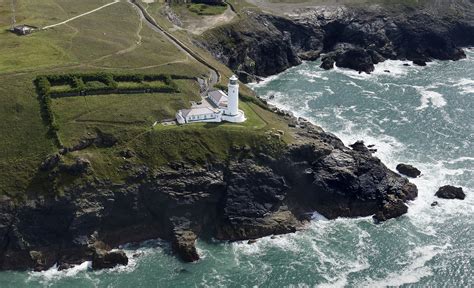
[(429, 246)]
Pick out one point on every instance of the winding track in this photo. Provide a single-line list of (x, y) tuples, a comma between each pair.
[(151, 22), (214, 77), (81, 15)]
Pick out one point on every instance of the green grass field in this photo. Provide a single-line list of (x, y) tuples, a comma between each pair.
[(82, 115), (203, 9), (113, 40)]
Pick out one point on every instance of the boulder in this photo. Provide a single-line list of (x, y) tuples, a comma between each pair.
[(354, 58), (38, 259), (103, 259), (327, 63), (183, 243), (391, 209), (408, 170), (359, 146), (450, 192), (419, 62)]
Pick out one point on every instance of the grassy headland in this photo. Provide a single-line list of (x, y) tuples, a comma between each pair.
[(112, 40)]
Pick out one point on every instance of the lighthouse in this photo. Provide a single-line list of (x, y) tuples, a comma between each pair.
[(233, 96), (217, 106)]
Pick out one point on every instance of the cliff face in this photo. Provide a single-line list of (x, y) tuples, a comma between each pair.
[(352, 37), (247, 197)]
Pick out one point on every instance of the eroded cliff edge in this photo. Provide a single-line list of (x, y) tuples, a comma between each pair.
[(251, 195), (355, 37)]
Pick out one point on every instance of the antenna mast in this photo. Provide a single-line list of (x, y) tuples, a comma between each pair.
[(13, 14)]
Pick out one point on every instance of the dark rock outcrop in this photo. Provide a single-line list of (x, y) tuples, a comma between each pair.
[(391, 209), (103, 259), (327, 62), (450, 192), (353, 37), (359, 146), (183, 244), (79, 166), (253, 194), (408, 170), (50, 162)]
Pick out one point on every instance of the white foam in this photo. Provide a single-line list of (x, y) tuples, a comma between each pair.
[(318, 217), (426, 219), (427, 96), (263, 82), (53, 274), (465, 86), (311, 75), (396, 68), (329, 90), (413, 272)]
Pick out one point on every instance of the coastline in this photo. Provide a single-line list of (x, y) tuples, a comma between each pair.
[(289, 242)]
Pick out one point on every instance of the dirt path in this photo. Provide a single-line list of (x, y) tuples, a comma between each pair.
[(134, 46), (81, 15), (151, 22)]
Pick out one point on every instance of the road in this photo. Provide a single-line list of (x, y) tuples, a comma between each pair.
[(151, 22), (214, 77)]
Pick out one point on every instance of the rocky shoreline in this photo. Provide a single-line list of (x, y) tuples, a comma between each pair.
[(253, 194), (357, 38), (250, 196)]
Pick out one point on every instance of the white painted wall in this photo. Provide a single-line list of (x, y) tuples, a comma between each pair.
[(233, 95)]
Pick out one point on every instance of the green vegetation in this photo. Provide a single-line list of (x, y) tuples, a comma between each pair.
[(124, 116), (204, 9), (67, 85), (109, 49), (87, 84)]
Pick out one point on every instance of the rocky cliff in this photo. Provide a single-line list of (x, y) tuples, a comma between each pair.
[(353, 37), (249, 196)]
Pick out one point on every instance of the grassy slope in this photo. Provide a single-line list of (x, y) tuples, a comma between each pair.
[(115, 40), (203, 9)]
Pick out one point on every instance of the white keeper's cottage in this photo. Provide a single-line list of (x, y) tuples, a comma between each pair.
[(215, 107)]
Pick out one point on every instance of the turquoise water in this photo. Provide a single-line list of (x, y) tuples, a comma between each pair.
[(422, 116)]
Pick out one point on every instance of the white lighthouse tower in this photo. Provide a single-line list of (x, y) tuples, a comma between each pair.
[(233, 96), (232, 112)]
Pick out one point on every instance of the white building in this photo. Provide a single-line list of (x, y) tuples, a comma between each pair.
[(23, 29), (199, 114), (216, 107)]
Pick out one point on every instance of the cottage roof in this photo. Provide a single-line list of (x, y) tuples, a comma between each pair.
[(194, 111), (24, 27), (218, 96)]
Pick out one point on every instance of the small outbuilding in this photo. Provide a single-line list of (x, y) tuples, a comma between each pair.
[(23, 29)]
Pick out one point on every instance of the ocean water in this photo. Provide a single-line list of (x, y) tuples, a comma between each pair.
[(418, 115)]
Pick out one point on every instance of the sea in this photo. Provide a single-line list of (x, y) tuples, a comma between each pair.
[(422, 116)]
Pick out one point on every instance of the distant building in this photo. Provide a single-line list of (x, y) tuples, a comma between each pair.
[(216, 107), (23, 29)]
